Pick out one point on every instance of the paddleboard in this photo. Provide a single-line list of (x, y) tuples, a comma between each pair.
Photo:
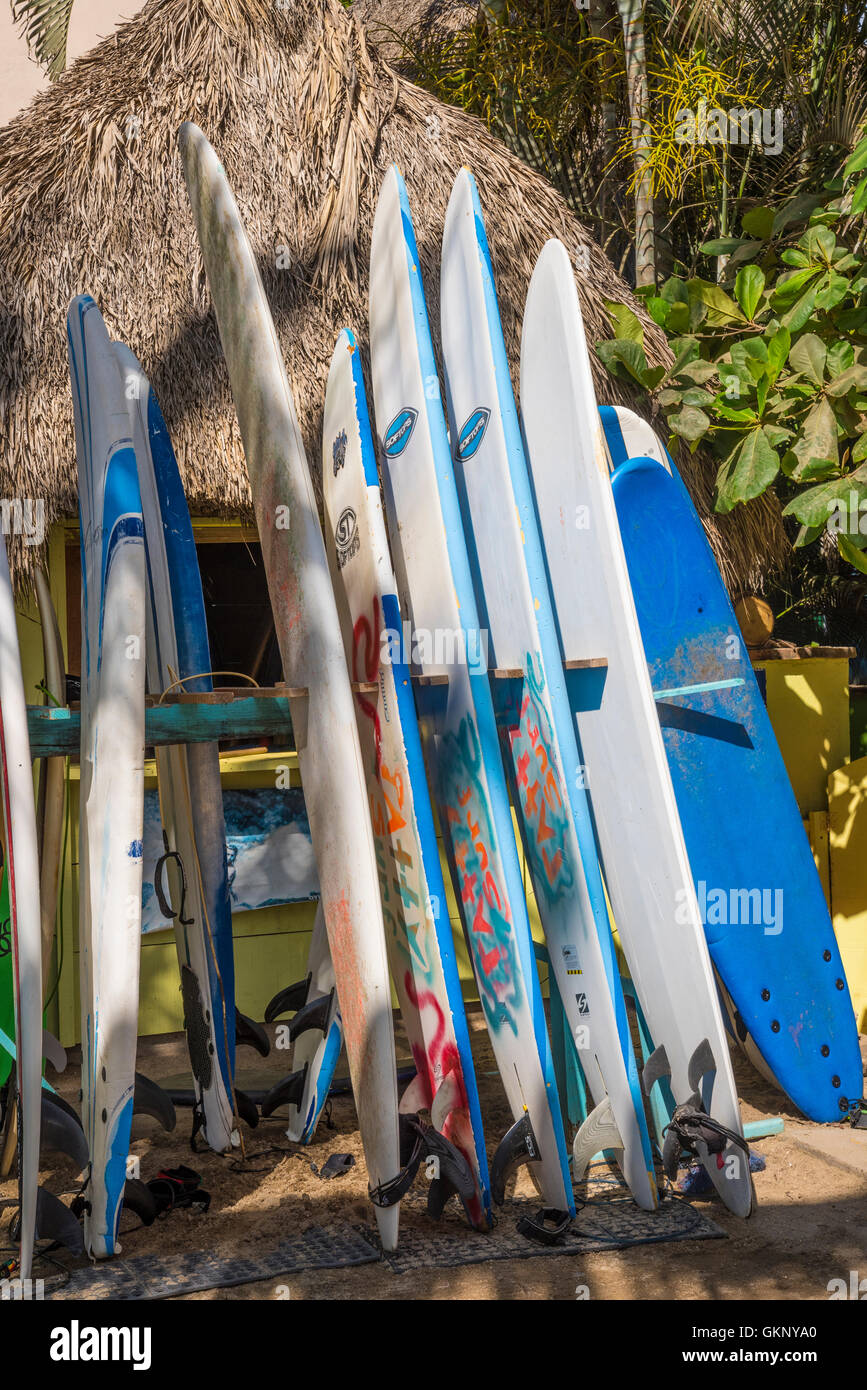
[(190, 792), (112, 762), (52, 775), (765, 916), (436, 590), (21, 873), (644, 857), (542, 751), (311, 646), (418, 933)]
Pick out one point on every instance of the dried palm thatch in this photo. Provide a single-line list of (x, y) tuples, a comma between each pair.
[(306, 117), (388, 21)]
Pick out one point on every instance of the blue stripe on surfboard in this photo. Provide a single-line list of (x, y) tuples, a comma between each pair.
[(564, 722), (486, 729), (194, 656), (368, 453)]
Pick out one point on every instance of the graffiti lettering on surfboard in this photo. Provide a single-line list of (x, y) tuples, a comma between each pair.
[(485, 907), (546, 819)]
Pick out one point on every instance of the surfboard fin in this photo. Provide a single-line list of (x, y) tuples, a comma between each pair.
[(139, 1198), (599, 1131), (54, 1221), (151, 1099), (288, 1000), (701, 1064), (52, 1051), (516, 1147), (252, 1033), (62, 1131), (655, 1069), (246, 1108), (289, 1091), (312, 1016), (454, 1176)]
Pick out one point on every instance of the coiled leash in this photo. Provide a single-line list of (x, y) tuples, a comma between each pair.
[(690, 1127)]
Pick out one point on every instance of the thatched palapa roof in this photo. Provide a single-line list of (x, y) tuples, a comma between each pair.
[(306, 117)]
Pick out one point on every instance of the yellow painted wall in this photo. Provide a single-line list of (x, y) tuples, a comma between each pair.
[(808, 704), (847, 816)]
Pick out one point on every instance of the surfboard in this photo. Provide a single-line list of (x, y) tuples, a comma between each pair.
[(21, 873), (191, 799), (112, 762), (7, 993), (446, 652), (311, 646), (766, 919), (642, 849), (541, 745), (52, 776), (418, 933)]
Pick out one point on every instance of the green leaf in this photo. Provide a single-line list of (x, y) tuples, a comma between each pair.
[(749, 287), (685, 350), (817, 441), (857, 159), (851, 553), (658, 309), (798, 210), (747, 473), (802, 311), (737, 417), (723, 246), (679, 318), (697, 372), (819, 244), (859, 198), (616, 352), (625, 323), (691, 423), (759, 222), (831, 291), (674, 290), (816, 505), (859, 452), (794, 257), (778, 350), (854, 378), (808, 356), (841, 356), (721, 309), (789, 287)]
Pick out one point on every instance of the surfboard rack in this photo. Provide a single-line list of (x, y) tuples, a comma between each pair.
[(186, 717)]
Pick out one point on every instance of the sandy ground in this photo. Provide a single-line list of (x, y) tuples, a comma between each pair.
[(810, 1226)]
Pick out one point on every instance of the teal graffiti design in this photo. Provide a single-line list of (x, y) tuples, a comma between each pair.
[(540, 791), (484, 907)]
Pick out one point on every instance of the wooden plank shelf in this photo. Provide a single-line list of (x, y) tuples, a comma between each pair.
[(182, 717)]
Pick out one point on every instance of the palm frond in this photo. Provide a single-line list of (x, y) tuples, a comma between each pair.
[(45, 26)]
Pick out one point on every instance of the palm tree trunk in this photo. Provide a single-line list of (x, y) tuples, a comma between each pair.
[(632, 17)]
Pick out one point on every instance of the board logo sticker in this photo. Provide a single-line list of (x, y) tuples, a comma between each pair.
[(346, 537), (583, 1006), (338, 452), (399, 432), (473, 433)]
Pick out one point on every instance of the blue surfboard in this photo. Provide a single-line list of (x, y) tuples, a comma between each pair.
[(766, 921)]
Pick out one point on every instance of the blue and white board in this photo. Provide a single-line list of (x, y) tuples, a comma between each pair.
[(644, 858), (112, 762), (766, 919), (191, 801), (542, 754), (418, 932), (436, 589)]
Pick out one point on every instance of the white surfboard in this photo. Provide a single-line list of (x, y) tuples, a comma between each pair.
[(52, 776), (112, 763), (643, 852), (22, 868), (547, 788), (190, 792), (435, 585), (311, 646), (418, 932)]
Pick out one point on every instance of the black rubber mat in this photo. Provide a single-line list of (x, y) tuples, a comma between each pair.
[(144, 1277), (610, 1221)]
